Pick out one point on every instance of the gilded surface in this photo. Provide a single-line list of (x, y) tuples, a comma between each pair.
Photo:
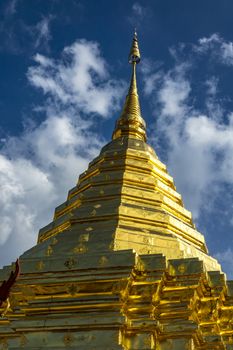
[(121, 266)]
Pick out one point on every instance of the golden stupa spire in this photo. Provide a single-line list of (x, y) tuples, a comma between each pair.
[(130, 122)]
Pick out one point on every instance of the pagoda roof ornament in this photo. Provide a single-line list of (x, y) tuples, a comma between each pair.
[(134, 55), (130, 123)]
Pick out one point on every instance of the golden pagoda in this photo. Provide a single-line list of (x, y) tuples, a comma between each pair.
[(121, 266)]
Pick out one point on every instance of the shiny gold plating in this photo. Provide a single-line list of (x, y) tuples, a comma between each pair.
[(121, 266)]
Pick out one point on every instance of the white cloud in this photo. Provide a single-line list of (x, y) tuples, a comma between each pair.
[(213, 105), (200, 143), (205, 42), (212, 86), (152, 76), (32, 36), (42, 32), (138, 14), (227, 52), (84, 83), (39, 167), (173, 94), (217, 47), (138, 9)]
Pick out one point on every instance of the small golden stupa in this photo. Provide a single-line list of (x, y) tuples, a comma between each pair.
[(121, 266)]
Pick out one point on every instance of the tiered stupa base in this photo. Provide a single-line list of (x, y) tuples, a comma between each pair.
[(118, 300)]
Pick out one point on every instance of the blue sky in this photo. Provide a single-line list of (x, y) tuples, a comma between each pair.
[(64, 75)]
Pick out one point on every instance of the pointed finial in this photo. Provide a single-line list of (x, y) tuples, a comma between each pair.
[(134, 55), (131, 123)]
